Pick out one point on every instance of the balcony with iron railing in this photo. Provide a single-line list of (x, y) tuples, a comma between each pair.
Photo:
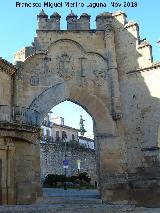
[(19, 115), (45, 139)]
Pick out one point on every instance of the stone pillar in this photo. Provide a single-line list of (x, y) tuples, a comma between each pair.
[(7, 164), (19, 160), (111, 146), (113, 73), (36, 165), (110, 167), (104, 22)]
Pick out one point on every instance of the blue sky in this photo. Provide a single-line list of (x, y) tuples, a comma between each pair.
[(18, 25), (71, 113), (18, 28)]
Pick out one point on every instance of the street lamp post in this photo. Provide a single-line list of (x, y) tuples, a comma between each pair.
[(65, 169), (65, 162), (78, 165), (78, 169), (65, 185)]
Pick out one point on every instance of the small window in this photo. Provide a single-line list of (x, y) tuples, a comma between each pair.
[(47, 134), (57, 135), (42, 134), (73, 137), (64, 135)]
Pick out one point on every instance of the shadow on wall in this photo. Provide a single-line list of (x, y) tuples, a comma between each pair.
[(130, 73), (138, 79), (140, 109)]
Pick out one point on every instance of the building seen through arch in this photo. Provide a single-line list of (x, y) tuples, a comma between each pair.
[(54, 133)]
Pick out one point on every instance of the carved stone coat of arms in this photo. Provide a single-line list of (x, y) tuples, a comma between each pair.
[(65, 66)]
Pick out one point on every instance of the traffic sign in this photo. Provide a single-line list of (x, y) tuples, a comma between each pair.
[(78, 164), (65, 164)]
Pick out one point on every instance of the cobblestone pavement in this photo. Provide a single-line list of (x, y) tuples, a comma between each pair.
[(73, 201)]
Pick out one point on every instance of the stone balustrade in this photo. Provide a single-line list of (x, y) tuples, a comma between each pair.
[(18, 114)]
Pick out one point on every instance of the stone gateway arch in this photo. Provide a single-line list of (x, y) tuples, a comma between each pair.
[(108, 71)]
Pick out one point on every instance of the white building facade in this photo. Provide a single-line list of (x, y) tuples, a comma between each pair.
[(54, 130), (52, 150)]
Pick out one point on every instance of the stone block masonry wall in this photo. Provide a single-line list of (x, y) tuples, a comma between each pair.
[(109, 71), (141, 127), (52, 156), (19, 164)]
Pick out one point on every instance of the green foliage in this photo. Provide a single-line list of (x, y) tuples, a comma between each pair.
[(53, 179), (72, 179), (84, 177)]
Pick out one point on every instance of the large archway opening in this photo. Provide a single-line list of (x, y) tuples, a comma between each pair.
[(68, 152), (106, 131)]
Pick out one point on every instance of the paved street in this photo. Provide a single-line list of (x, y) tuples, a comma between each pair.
[(71, 196), (71, 192), (73, 201)]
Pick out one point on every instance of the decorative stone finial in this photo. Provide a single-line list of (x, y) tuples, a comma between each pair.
[(42, 20), (54, 22), (104, 20), (71, 15), (42, 14), (144, 43), (55, 15), (71, 21), (118, 13), (85, 15), (84, 22), (104, 15), (120, 16)]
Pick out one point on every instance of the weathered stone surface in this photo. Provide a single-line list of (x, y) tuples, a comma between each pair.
[(110, 73), (52, 156), (20, 164)]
